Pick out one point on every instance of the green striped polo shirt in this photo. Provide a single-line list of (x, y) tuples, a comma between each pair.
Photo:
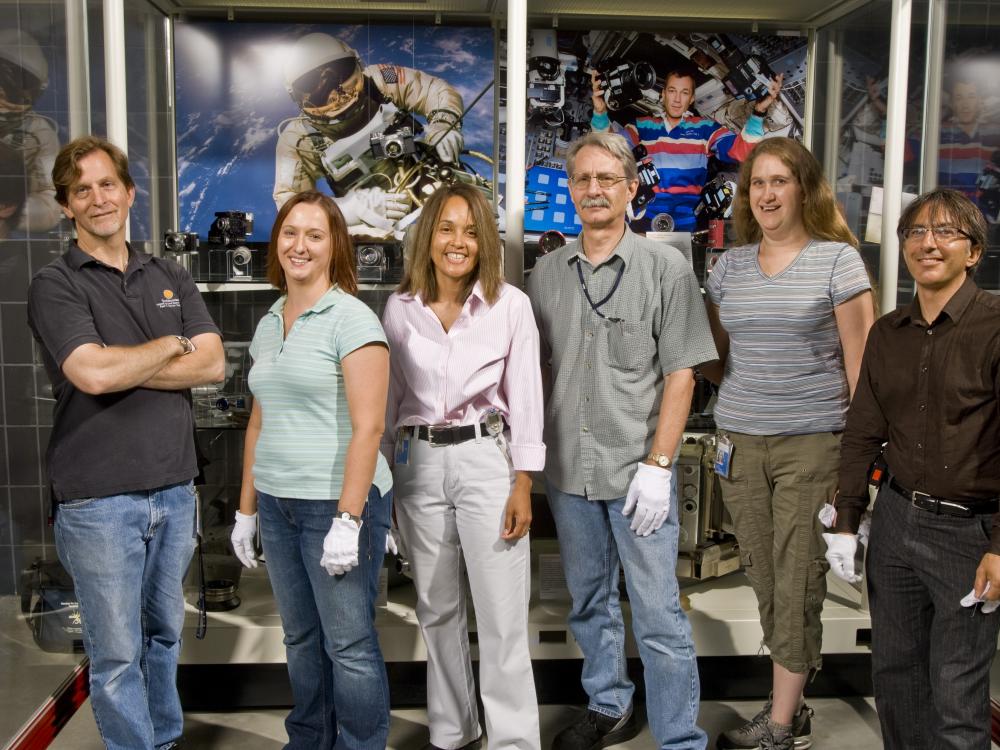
[(299, 384)]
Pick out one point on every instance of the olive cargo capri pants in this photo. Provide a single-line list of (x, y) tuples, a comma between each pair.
[(777, 485)]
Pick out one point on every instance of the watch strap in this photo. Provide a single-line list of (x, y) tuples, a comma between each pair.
[(345, 516)]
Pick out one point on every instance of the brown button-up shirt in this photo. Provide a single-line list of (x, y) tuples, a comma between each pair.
[(932, 391)]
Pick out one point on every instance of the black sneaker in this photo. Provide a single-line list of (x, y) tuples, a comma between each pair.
[(749, 735), (777, 737), (594, 731)]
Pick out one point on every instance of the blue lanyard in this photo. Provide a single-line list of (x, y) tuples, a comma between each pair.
[(586, 293)]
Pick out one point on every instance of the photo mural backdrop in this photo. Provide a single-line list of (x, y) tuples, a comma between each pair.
[(731, 72), (374, 115)]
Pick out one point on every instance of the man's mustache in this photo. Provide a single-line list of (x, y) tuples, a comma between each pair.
[(595, 203)]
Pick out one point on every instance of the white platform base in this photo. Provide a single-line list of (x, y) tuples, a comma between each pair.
[(723, 617)]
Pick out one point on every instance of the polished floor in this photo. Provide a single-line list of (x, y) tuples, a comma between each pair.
[(849, 723)]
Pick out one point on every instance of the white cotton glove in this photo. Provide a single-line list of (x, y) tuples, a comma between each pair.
[(840, 551), (447, 143), (394, 541), (649, 496), (374, 207), (971, 600), (340, 547), (243, 536)]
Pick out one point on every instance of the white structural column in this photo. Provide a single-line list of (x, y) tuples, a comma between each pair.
[(116, 107), (937, 22), (517, 66), (77, 68), (895, 133)]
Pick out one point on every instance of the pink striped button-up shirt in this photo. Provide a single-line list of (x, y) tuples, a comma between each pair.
[(489, 358)]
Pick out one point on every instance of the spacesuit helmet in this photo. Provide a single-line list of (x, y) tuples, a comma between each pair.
[(24, 74), (323, 75)]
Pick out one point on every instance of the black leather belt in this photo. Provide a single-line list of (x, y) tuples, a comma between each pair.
[(932, 504), (451, 434)]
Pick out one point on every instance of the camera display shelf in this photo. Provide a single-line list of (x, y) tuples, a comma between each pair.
[(263, 286)]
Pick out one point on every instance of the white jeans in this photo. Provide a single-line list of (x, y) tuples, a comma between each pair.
[(450, 503)]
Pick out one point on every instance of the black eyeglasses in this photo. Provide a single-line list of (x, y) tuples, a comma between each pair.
[(942, 233)]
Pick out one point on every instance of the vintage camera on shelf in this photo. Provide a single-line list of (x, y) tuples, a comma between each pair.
[(624, 81), (230, 228), (182, 248), (219, 263), (379, 262), (180, 242), (648, 180), (393, 144), (246, 264)]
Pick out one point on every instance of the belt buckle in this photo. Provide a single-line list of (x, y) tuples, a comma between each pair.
[(436, 433), (915, 495)]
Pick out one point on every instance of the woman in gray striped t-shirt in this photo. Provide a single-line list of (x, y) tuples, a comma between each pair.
[(790, 311)]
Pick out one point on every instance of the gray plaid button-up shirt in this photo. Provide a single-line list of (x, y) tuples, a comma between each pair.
[(607, 373)]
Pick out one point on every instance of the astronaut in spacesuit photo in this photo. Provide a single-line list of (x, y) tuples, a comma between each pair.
[(24, 75), (356, 131)]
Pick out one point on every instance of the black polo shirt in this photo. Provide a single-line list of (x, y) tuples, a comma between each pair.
[(128, 441)]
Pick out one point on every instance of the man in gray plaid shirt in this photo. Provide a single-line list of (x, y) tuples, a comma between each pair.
[(622, 324)]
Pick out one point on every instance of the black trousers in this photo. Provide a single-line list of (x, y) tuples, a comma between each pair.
[(931, 657)]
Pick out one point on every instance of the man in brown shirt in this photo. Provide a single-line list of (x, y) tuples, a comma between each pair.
[(930, 389)]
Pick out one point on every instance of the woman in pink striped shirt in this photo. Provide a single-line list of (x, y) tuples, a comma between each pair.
[(463, 432)]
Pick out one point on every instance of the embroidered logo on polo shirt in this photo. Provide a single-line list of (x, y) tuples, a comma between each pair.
[(168, 300)]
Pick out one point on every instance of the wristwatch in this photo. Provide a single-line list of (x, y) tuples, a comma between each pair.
[(186, 343), (660, 459), (345, 516)]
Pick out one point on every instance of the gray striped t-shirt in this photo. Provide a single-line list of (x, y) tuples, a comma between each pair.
[(785, 371)]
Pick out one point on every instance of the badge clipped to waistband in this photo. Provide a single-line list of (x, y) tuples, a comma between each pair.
[(723, 456), (402, 452), (494, 421)]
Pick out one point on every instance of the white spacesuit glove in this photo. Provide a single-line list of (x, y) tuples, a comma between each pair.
[(340, 547), (840, 551), (242, 538), (649, 496), (374, 207), (447, 143)]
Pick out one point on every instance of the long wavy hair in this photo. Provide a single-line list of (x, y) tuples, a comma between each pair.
[(820, 213), (342, 260), (420, 277)]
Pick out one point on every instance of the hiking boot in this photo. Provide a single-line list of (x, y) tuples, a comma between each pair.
[(749, 735), (594, 731)]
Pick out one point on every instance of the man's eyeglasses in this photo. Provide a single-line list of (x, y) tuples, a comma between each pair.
[(941, 234), (581, 181)]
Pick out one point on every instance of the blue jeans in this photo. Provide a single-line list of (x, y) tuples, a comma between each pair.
[(594, 537), (127, 555), (335, 665)]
